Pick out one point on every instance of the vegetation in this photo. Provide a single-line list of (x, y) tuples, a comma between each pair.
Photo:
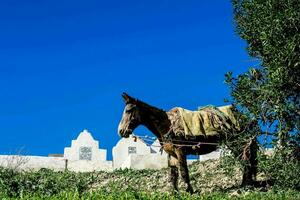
[(268, 100), (131, 194), (210, 179), (268, 95), (44, 182)]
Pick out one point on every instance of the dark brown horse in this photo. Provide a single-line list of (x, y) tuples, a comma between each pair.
[(158, 122)]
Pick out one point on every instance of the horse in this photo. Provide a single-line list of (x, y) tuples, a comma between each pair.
[(159, 122)]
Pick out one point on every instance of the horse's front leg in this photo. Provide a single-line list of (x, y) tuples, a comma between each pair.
[(183, 168), (173, 172)]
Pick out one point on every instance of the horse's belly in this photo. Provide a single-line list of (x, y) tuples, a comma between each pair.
[(202, 149)]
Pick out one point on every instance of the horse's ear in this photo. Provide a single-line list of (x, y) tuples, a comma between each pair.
[(127, 99)]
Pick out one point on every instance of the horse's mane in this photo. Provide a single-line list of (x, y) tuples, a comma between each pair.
[(175, 121), (145, 105)]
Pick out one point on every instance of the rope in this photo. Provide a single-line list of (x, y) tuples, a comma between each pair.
[(148, 138)]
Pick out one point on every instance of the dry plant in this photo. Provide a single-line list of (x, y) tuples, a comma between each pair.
[(15, 161)]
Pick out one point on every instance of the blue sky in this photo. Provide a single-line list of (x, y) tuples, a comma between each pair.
[(64, 65)]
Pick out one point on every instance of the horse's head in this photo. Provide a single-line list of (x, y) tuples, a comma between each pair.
[(131, 116)]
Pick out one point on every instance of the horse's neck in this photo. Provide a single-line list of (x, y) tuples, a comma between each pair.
[(156, 120)]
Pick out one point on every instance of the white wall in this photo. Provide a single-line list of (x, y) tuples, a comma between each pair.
[(89, 166), (98, 160), (211, 156), (150, 161), (120, 151), (32, 162), (85, 139), (143, 158)]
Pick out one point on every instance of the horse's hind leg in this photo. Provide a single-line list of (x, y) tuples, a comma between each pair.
[(250, 158), (183, 168), (253, 159)]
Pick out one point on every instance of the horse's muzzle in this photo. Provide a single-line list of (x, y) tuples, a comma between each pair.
[(125, 133)]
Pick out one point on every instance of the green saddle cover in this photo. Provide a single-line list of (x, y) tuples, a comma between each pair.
[(208, 120)]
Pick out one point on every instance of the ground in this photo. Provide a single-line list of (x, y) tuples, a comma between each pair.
[(210, 181)]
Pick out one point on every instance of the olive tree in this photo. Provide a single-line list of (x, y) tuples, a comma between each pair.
[(269, 92)]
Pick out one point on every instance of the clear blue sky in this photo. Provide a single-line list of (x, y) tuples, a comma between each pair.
[(64, 65)]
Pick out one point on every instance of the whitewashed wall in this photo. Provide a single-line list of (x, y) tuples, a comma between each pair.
[(85, 139), (121, 150), (92, 160), (143, 158), (211, 156), (150, 161), (89, 166), (128, 153), (32, 162)]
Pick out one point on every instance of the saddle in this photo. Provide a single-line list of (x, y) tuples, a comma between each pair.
[(207, 121)]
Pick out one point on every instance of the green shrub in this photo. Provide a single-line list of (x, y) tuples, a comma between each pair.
[(129, 194), (44, 182), (209, 181), (282, 169)]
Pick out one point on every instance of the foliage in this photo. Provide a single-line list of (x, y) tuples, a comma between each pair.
[(228, 163), (205, 177), (271, 92), (209, 180), (44, 182), (268, 95), (283, 171), (131, 194)]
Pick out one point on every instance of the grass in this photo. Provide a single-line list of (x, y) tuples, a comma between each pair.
[(210, 181), (124, 195)]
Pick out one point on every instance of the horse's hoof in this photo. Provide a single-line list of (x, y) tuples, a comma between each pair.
[(248, 183), (175, 191), (190, 190)]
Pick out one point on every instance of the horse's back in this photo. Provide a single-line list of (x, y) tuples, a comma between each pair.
[(207, 121)]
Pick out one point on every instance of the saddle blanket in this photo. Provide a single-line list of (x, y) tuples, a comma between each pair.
[(208, 120)]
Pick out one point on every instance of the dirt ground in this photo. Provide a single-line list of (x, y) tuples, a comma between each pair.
[(205, 177)]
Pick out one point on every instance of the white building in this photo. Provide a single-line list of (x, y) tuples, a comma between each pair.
[(85, 155), (134, 153)]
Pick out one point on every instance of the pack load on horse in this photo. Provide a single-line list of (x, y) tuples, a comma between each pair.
[(183, 132), (208, 120)]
